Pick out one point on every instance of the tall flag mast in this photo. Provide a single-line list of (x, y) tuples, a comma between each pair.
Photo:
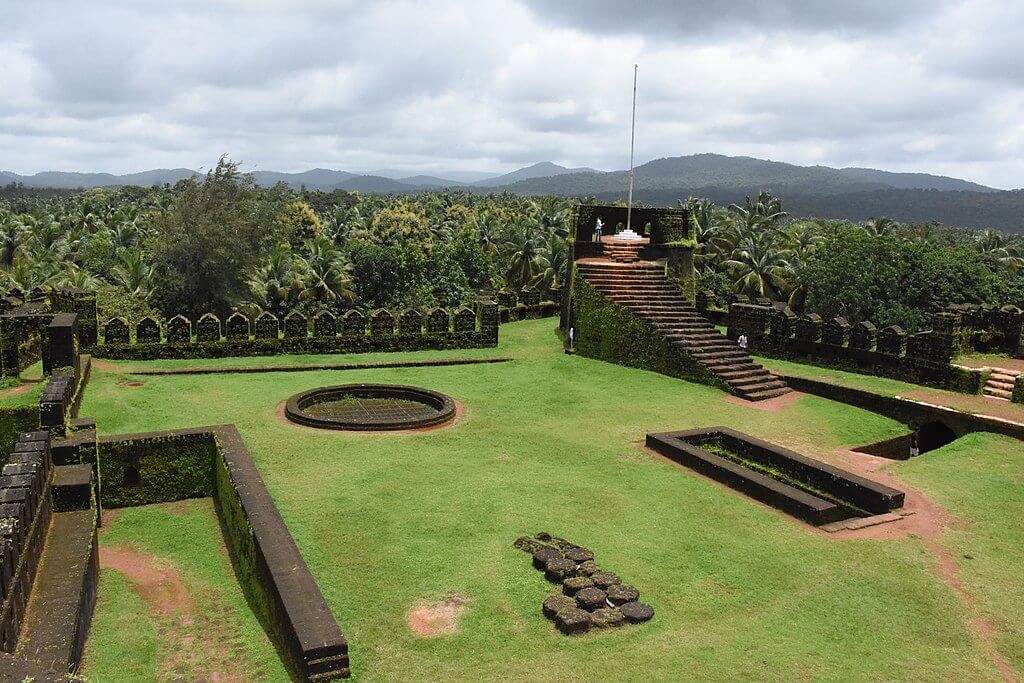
[(632, 140)]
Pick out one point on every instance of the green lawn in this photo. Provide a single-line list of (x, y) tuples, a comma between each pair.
[(547, 443)]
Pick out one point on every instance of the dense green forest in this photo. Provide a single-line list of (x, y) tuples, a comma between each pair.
[(220, 243)]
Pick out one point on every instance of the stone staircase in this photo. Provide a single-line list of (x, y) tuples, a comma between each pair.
[(643, 289), (1000, 383), (621, 251)]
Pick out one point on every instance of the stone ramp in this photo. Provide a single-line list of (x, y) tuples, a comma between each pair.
[(642, 288), (64, 593)]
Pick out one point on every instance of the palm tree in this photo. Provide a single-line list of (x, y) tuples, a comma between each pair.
[(275, 286), (133, 274), (527, 256), (759, 267), (880, 227), (766, 212), (326, 276)]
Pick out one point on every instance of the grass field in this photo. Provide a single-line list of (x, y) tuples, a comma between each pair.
[(548, 443)]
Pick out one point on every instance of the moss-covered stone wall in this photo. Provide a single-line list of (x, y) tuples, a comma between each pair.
[(607, 331)]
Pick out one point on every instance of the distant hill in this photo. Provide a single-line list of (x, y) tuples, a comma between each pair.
[(544, 169), (853, 193), (745, 175)]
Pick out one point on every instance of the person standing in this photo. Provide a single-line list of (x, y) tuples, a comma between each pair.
[(597, 229), (915, 446), (742, 341)]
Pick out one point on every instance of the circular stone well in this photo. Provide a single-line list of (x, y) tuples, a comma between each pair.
[(370, 407)]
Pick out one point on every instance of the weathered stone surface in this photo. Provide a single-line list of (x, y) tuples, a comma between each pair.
[(605, 579), (574, 584), (606, 617), (587, 568), (573, 621), (579, 555), (115, 331), (147, 331), (637, 612), (543, 555), (238, 327), (591, 598), (619, 594), (556, 603), (558, 569)]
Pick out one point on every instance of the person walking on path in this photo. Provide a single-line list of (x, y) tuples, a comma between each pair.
[(915, 446)]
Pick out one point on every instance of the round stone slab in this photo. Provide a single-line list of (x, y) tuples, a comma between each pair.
[(619, 594), (579, 555), (559, 568), (636, 612), (557, 603), (591, 598), (573, 620), (541, 556), (606, 617), (604, 579), (574, 584)]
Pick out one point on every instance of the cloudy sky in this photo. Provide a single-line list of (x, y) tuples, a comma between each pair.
[(491, 85)]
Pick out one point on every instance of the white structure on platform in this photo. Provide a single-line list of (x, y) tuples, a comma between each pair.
[(627, 235)]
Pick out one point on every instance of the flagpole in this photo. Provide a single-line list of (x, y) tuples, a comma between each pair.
[(632, 140)]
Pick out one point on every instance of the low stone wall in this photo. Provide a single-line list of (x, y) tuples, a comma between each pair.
[(1018, 389), (410, 330), (213, 461), (922, 358), (25, 510), (908, 412)]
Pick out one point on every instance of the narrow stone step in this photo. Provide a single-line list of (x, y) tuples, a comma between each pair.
[(740, 373), (763, 395), (999, 384), (998, 393), (762, 383)]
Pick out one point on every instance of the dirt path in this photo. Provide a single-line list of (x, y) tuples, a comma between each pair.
[(20, 389), (188, 639)]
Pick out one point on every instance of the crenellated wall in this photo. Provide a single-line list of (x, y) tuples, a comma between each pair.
[(922, 358), (354, 332)]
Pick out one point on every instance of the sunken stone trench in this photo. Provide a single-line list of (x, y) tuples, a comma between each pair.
[(590, 597)]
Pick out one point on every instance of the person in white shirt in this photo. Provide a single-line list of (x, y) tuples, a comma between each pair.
[(742, 341)]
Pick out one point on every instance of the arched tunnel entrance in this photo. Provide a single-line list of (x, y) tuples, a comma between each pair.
[(930, 435), (934, 435)]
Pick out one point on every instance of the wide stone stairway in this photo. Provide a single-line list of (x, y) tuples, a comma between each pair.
[(642, 288)]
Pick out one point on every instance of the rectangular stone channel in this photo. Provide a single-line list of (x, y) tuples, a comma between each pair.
[(800, 486)]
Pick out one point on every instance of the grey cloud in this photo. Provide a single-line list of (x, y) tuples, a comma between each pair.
[(683, 20)]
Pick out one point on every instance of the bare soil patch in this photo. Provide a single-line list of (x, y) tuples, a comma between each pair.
[(106, 366), (770, 405), (437, 618), (190, 639), (133, 383), (459, 414)]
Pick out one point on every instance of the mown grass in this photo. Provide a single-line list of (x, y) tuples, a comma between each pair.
[(548, 443)]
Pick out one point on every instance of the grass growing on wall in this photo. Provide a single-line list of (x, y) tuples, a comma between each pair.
[(548, 443)]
